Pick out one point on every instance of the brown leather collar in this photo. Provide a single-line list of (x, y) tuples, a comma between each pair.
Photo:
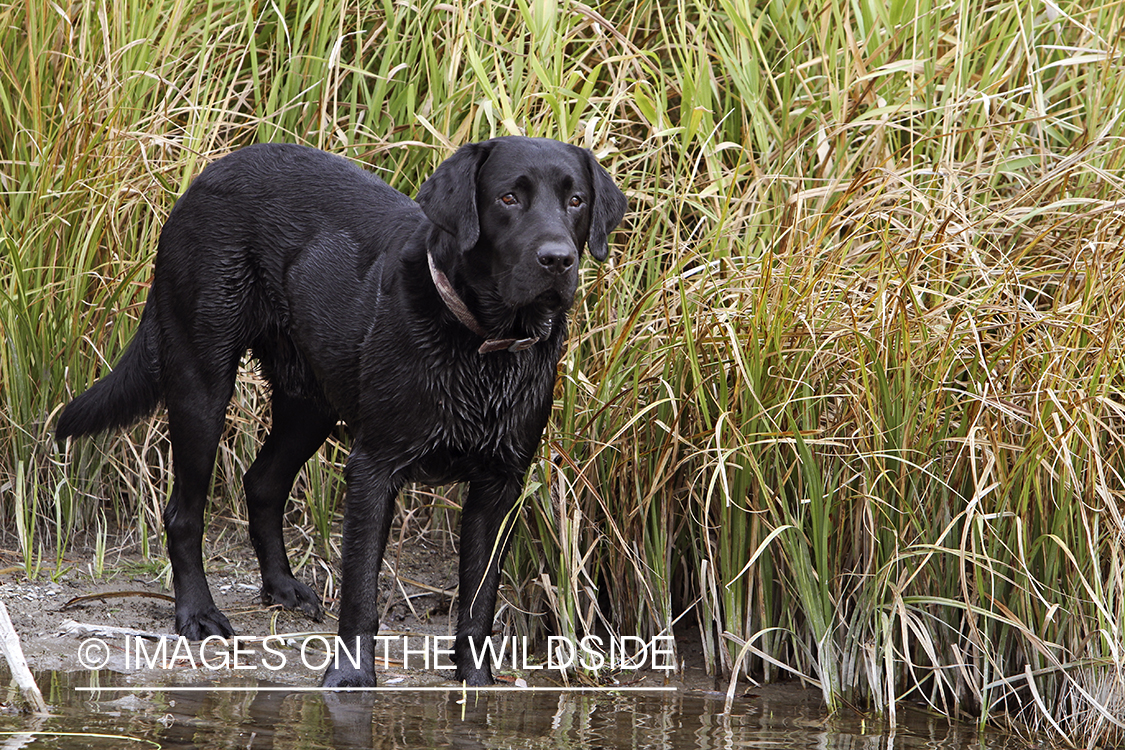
[(457, 306)]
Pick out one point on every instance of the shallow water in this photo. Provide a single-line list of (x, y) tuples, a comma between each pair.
[(247, 718)]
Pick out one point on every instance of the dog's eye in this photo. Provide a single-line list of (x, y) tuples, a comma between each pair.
[(576, 201), (509, 199)]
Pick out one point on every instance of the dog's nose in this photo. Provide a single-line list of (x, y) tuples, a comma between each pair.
[(557, 257)]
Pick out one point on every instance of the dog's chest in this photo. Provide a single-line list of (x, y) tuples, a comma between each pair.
[(473, 414), (486, 403)]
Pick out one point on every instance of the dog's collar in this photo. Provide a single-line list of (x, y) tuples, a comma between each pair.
[(457, 306)]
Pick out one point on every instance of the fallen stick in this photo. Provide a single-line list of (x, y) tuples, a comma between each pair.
[(86, 630), (13, 654)]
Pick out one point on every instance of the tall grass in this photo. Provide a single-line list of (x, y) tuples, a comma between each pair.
[(846, 403)]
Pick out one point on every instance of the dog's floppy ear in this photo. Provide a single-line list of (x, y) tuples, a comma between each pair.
[(608, 209), (449, 196)]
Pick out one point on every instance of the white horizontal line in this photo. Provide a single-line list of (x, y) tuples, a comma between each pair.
[(380, 689)]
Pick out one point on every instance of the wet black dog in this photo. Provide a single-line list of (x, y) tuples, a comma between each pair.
[(432, 329)]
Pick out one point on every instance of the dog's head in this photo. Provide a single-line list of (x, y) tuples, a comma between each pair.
[(519, 212)]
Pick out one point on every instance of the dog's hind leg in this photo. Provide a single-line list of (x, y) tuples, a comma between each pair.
[(299, 428), (487, 521), (197, 396)]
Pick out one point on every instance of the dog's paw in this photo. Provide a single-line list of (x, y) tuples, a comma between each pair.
[(292, 594), (347, 678), (195, 626), (474, 677)]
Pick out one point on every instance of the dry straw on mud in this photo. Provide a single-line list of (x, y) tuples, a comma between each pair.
[(847, 402)]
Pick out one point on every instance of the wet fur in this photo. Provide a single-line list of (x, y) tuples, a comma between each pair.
[(319, 269)]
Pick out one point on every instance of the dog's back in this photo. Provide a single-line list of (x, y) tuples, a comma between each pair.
[(224, 262)]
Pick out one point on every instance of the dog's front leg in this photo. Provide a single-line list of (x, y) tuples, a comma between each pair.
[(367, 520), (487, 521)]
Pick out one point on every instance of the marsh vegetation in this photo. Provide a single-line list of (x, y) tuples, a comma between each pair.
[(846, 403)]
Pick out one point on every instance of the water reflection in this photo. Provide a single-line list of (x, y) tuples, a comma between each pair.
[(253, 719)]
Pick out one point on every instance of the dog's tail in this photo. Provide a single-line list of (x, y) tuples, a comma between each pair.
[(128, 393)]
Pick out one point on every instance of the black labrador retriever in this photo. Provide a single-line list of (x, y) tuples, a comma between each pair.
[(432, 329)]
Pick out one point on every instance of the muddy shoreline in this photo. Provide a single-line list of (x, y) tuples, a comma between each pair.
[(58, 610)]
